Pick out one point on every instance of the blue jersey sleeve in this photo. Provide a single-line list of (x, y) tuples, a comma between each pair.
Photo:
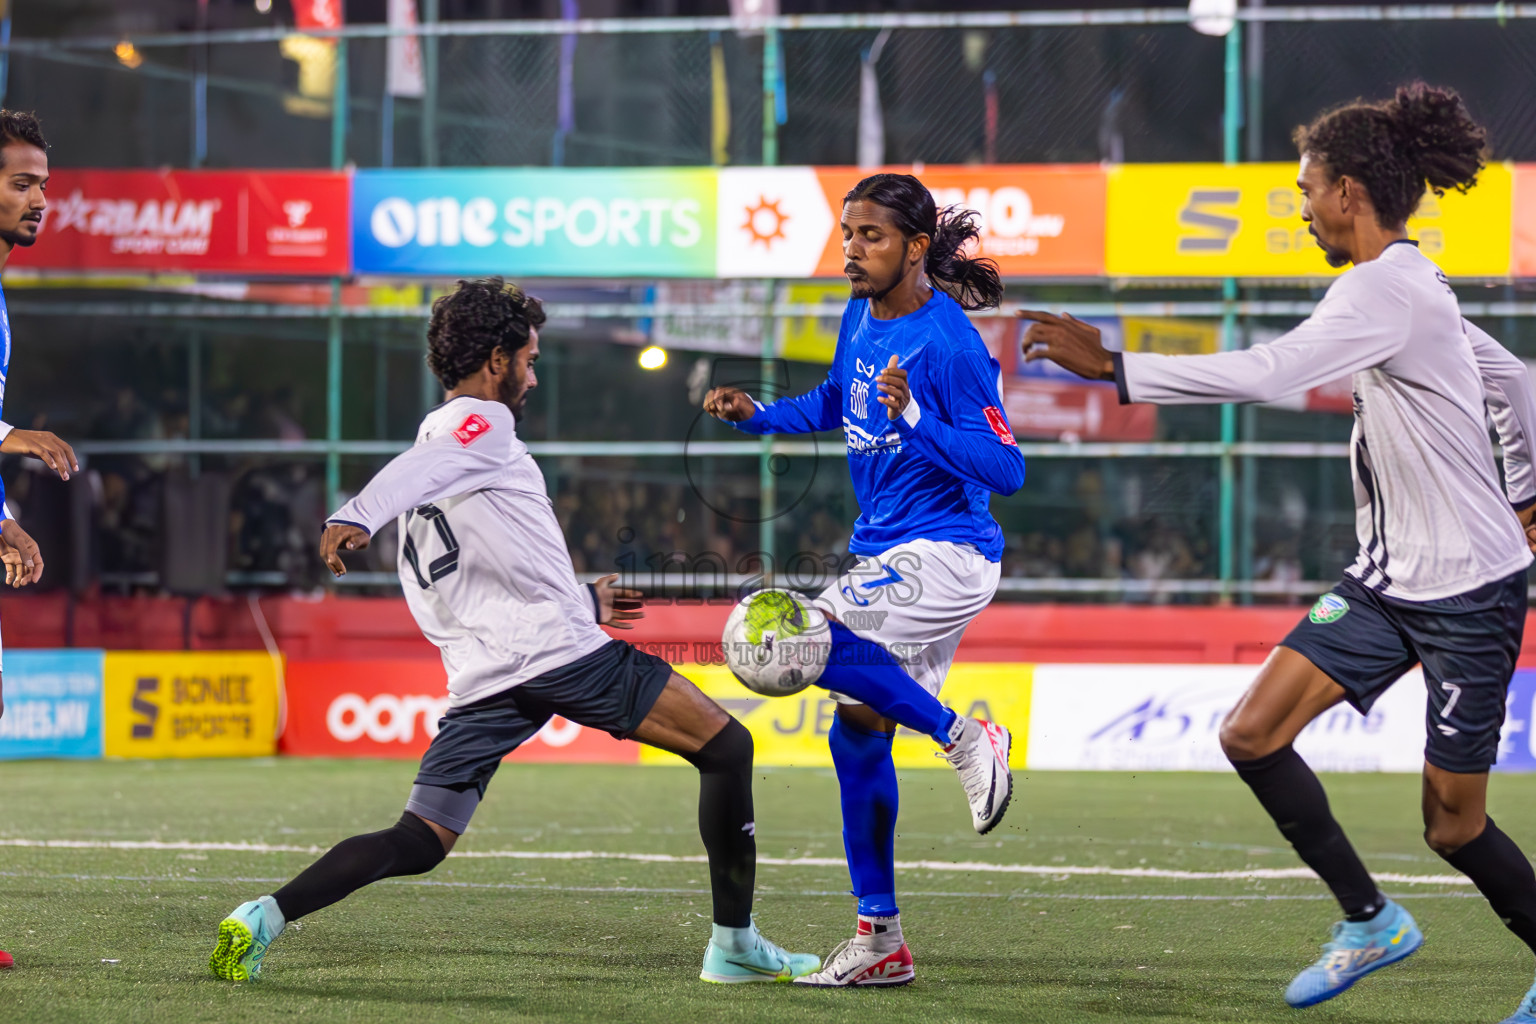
[(975, 444), (820, 408)]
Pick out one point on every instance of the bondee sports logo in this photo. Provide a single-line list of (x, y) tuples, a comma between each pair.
[(1329, 608)]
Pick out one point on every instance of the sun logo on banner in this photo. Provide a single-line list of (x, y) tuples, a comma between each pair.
[(765, 222)]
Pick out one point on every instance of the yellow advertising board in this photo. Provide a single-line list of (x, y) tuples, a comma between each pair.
[(792, 731), (190, 704), (1213, 220)]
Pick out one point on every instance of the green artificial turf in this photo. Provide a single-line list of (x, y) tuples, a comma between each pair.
[(122, 935)]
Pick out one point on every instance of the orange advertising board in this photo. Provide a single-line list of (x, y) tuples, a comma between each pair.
[(1524, 264), (1036, 221)]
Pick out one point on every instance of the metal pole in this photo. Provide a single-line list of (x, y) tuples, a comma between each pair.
[(429, 16), (200, 92), (1255, 85), (770, 96), (195, 397), (333, 326), (333, 398), (767, 479), (1232, 123), (339, 101)]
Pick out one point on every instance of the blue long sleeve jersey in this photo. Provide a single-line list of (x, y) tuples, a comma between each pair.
[(930, 472)]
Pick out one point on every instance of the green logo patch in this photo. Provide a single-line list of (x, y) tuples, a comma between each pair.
[(1329, 608)]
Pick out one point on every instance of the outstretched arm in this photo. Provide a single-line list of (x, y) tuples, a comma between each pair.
[(818, 409), (1335, 341), (1512, 405), (976, 444)]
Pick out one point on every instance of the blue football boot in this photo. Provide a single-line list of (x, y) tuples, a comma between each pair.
[(762, 960), (1356, 949), (1526, 1014), (243, 939)]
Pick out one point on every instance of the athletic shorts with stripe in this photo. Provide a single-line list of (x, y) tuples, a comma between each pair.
[(1468, 644), (915, 600), (613, 689)]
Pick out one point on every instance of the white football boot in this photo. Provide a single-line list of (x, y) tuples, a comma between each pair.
[(979, 752), (876, 956)]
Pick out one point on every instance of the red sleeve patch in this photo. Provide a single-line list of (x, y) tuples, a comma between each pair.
[(999, 424), (472, 429)]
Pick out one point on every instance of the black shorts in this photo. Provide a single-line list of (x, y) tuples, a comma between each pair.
[(613, 689), (1468, 645)]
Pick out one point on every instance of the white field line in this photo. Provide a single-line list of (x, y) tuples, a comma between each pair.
[(636, 890), (966, 867)]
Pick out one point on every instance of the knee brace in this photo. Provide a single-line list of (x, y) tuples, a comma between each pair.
[(416, 847), (730, 750)]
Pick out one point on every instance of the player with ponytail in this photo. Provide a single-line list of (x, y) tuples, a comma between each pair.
[(919, 399), (1440, 580)]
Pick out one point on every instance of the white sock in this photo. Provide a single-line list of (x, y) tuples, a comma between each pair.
[(732, 940), (882, 934), (274, 916)]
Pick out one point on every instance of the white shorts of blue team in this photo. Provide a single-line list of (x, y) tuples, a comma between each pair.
[(915, 600)]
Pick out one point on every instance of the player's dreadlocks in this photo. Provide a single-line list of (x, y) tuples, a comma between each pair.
[(20, 126), (472, 321), (1422, 135), (973, 283)]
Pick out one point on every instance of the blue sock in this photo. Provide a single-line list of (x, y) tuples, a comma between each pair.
[(865, 671), (866, 777)]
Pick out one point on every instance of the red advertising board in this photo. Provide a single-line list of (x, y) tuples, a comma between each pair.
[(391, 709), (237, 222)]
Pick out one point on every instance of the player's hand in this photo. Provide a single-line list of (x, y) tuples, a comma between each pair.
[(339, 537), (894, 393), (1528, 521), (45, 445), (1068, 342), (619, 606), (729, 404), (19, 552)]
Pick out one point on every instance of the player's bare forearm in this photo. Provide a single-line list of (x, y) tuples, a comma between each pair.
[(339, 537), (45, 445), (23, 560), (1067, 342)]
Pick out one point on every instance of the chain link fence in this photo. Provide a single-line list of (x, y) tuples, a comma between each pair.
[(1131, 92)]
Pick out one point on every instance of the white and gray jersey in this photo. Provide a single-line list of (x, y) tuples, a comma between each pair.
[(1431, 518), (484, 565)]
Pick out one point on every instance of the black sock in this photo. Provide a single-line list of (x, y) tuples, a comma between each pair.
[(1293, 796), (725, 822), (1501, 873), (409, 847)]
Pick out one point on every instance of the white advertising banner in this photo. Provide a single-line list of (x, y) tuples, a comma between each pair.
[(1168, 718)]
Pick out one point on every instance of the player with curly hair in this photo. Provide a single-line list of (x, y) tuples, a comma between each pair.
[(1444, 548), (489, 580)]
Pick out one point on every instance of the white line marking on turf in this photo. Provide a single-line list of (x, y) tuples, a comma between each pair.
[(632, 890), (970, 867)]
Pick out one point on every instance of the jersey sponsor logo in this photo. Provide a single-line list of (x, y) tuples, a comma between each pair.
[(862, 442), (472, 429), (867, 369), (999, 424), (1329, 608), (858, 398)]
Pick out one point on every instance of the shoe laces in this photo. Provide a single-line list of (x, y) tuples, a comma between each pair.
[(973, 769), (844, 949)]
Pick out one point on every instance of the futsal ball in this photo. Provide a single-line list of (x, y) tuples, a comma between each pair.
[(776, 642)]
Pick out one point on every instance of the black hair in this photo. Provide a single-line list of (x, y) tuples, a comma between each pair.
[(474, 320), (1423, 135), (20, 126), (973, 283)]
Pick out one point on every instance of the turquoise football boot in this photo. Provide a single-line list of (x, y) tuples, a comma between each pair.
[(1526, 1014), (764, 961), (1356, 949), (243, 939)]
